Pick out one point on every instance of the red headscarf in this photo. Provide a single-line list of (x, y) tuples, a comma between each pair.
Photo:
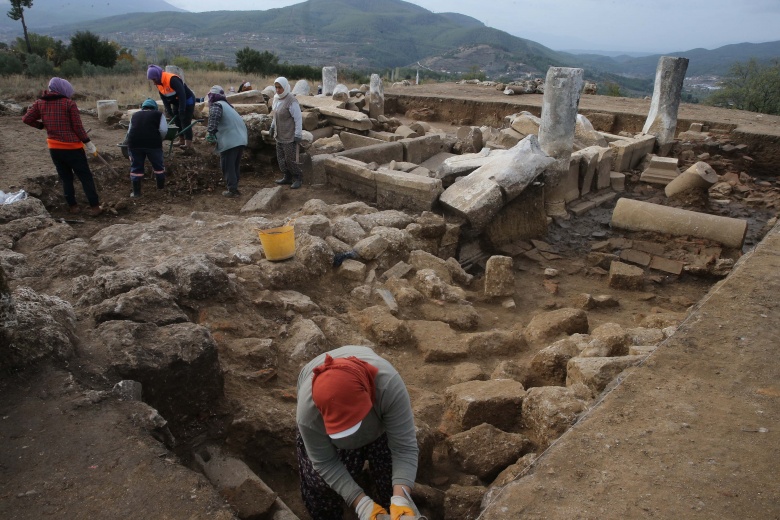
[(343, 391)]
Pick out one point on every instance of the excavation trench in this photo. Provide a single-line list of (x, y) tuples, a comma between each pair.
[(227, 332)]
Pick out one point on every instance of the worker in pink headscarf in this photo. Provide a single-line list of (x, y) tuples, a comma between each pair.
[(67, 140)]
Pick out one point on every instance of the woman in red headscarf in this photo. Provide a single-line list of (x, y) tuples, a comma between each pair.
[(353, 407)]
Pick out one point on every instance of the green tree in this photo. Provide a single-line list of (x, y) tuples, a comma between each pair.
[(612, 89), (89, 48), (71, 68), (44, 46), (10, 64), (17, 13), (38, 66), (750, 86), (249, 60)]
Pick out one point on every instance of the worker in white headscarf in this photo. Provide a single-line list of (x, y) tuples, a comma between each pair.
[(287, 128)]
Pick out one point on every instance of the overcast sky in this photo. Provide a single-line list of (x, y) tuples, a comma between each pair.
[(655, 26)]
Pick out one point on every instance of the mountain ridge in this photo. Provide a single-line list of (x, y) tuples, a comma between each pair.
[(379, 34)]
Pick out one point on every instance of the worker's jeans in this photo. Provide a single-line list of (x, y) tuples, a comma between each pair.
[(230, 162), (325, 504), (138, 157), (70, 163)]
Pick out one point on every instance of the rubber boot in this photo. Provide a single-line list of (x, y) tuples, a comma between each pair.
[(160, 178), (136, 189), (287, 179), (297, 183)]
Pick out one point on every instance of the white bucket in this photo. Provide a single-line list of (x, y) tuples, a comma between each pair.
[(106, 108)]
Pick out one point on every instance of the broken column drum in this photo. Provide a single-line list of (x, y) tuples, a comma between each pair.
[(376, 97), (700, 176), (329, 80), (662, 118), (556, 133), (635, 215)]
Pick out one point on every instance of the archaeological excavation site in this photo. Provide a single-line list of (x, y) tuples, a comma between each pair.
[(578, 291)]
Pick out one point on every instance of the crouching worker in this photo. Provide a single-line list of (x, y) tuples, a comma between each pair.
[(145, 140), (228, 131), (353, 408)]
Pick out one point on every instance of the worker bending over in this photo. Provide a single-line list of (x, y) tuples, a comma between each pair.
[(176, 97)]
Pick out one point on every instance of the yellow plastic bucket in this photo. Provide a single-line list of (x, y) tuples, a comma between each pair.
[(278, 243)]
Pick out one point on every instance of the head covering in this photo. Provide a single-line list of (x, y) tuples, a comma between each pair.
[(154, 73), (285, 85), (61, 86), (217, 93), (343, 391), (149, 103)]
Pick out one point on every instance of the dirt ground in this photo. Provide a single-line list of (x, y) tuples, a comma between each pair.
[(64, 459)]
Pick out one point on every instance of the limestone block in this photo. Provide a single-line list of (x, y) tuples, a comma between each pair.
[(526, 123), (352, 141), (341, 92), (460, 165), (301, 88), (471, 139), (431, 225), (461, 316), (310, 120), (617, 181), (319, 102), (379, 153), (463, 501), (624, 276), (662, 117), (485, 450), (385, 136), (550, 325), (419, 149), (406, 132), (384, 328), (661, 170), (463, 372), (585, 135), (315, 225), (430, 285), (346, 118), (396, 189), (476, 199), (371, 247), (458, 274), (305, 341), (329, 80), (548, 366), (614, 337), (351, 175), (499, 277), (604, 170), (549, 411), (247, 97), (145, 304), (495, 343), (352, 270), (246, 493), (508, 137), (597, 372), (390, 218), (515, 170), (376, 97), (437, 341), (251, 108), (348, 230), (399, 270), (589, 163), (329, 145), (497, 402), (645, 336), (641, 350), (264, 201), (423, 260)]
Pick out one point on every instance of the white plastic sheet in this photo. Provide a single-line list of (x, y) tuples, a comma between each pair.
[(10, 198)]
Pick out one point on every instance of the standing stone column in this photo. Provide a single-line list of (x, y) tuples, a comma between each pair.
[(329, 80), (662, 118), (562, 90), (376, 97)]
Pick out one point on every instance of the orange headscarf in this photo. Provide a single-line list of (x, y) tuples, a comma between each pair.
[(343, 391)]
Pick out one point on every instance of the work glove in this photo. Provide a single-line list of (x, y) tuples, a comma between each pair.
[(90, 148), (211, 138), (400, 506), (367, 509)]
